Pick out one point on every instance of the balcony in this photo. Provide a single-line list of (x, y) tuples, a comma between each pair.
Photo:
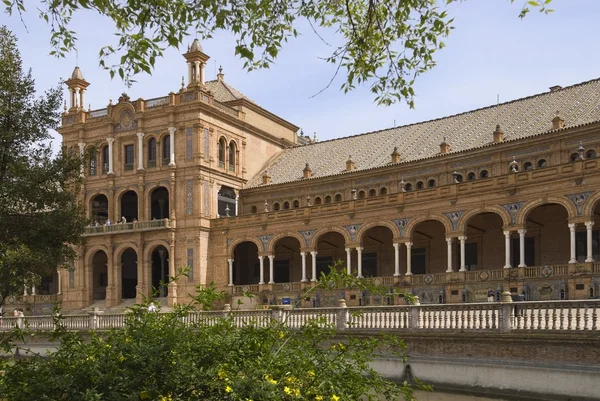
[(136, 226)]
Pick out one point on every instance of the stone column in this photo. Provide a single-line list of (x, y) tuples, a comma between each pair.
[(77, 98), (33, 290), (396, 260), (507, 250), (110, 155), (172, 146), (449, 243), (197, 71), (140, 136), (271, 278), (25, 292), (588, 227), (314, 265), (462, 240), (408, 258), (58, 283), (349, 261), (261, 259), (573, 258), (359, 250), (522, 233), (230, 262), (303, 255), (83, 98)]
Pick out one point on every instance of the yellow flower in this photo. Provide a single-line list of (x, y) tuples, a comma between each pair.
[(127, 339), (318, 398), (222, 374), (270, 379), (287, 390), (296, 392), (121, 358), (311, 373), (335, 398), (144, 395), (228, 389), (291, 379), (281, 334)]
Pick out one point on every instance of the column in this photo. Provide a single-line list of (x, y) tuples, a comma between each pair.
[(462, 240), (58, 283), (197, 71), (140, 136), (271, 278), (396, 259), (349, 261), (25, 293), (408, 258), (236, 204), (522, 247), (262, 269), (573, 258), (230, 262), (81, 154), (449, 253), (507, 250), (110, 155), (303, 255), (83, 98), (77, 98), (588, 227), (172, 146), (359, 250), (314, 265), (33, 290)]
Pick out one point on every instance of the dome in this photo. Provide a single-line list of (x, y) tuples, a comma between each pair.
[(77, 74), (196, 47)]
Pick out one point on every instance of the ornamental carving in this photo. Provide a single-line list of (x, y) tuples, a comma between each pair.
[(513, 210), (579, 200)]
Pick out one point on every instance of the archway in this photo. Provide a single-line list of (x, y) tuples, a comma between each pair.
[(330, 248), (160, 271), (128, 274), (378, 252), (484, 247), (547, 240), (246, 266), (99, 275), (159, 203), (226, 202), (99, 209), (287, 266), (429, 251), (129, 206)]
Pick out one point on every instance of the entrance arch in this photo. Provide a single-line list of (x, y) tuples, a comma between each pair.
[(160, 271), (547, 240), (129, 206), (484, 247), (330, 248), (99, 208), (429, 251), (288, 263), (159, 203), (246, 266), (378, 252), (129, 274), (99, 275)]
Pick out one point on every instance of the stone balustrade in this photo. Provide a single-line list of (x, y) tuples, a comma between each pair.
[(502, 317), (127, 227)]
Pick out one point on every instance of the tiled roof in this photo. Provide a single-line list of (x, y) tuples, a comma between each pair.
[(224, 92), (577, 104)]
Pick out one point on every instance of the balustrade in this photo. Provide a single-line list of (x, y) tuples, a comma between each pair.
[(133, 226)]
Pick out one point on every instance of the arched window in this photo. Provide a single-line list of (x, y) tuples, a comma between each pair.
[(276, 206), (483, 174), (318, 200), (431, 183), (93, 161), (222, 146), (105, 159), (471, 176), (361, 194), (458, 178), (327, 199), (420, 185), (372, 192), (542, 163), (338, 197), (166, 149), (232, 153), (527, 166), (253, 209), (383, 191), (152, 152), (574, 157), (408, 187), (286, 205), (590, 154), (296, 204)]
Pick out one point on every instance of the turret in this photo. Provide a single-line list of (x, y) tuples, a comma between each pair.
[(77, 87), (196, 61)]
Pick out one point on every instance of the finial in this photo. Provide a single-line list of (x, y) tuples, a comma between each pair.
[(514, 166), (580, 150), (182, 82), (110, 102), (220, 69), (89, 107), (65, 106), (266, 206)]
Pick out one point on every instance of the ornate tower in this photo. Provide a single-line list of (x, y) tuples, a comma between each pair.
[(196, 61), (77, 87)]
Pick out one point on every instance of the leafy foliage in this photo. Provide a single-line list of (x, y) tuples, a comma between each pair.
[(40, 219), (386, 44)]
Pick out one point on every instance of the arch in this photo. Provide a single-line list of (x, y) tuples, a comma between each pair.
[(340, 230), (236, 242), (98, 207), (128, 205), (128, 272), (527, 166), (280, 236), (361, 194), (471, 176), (590, 154), (232, 154), (159, 269), (419, 185), (500, 211), (151, 151), (408, 187), (221, 146), (89, 254), (152, 245), (383, 191), (98, 274), (431, 183), (159, 210), (118, 252), (338, 197), (318, 200), (484, 174), (408, 233), (529, 206), (574, 157), (542, 163), (253, 209), (327, 199), (590, 205), (296, 204), (458, 178), (276, 206), (372, 192), (286, 205), (384, 223), (165, 143)]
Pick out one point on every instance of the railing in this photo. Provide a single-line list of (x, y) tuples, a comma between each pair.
[(596, 267), (97, 113), (157, 102), (133, 226), (548, 316)]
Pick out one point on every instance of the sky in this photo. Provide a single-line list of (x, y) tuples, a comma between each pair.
[(491, 53)]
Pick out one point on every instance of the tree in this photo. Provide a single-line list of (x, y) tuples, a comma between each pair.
[(40, 219), (386, 44)]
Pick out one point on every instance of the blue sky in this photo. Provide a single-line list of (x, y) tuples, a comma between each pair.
[(491, 52)]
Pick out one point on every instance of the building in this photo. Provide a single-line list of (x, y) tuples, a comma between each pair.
[(500, 198)]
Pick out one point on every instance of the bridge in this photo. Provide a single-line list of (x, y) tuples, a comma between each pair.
[(533, 350)]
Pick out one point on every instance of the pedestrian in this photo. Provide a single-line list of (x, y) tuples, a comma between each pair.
[(491, 295), (151, 307)]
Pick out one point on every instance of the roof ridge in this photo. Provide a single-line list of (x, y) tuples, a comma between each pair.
[(457, 114)]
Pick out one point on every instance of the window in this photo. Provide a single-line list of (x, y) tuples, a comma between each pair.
[(296, 204), (93, 161), (590, 154), (105, 159), (383, 191), (276, 206), (286, 205), (574, 157), (232, 152), (431, 183), (338, 197), (328, 199), (408, 187), (420, 185), (128, 157), (166, 149), (542, 163), (458, 178), (527, 166), (152, 152), (483, 174), (471, 176), (361, 194), (253, 209), (222, 153), (372, 192), (369, 264), (317, 200)]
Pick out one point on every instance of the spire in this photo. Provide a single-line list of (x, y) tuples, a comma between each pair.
[(196, 61), (77, 86)]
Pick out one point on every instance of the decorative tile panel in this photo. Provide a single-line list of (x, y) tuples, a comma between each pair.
[(190, 263), (352, 229), (189, 197), (206, 197), (308, 234), (454, 217), (189, 144), (206, 143), (513, 210), (579, 200), (401, 224), (264, 239)]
